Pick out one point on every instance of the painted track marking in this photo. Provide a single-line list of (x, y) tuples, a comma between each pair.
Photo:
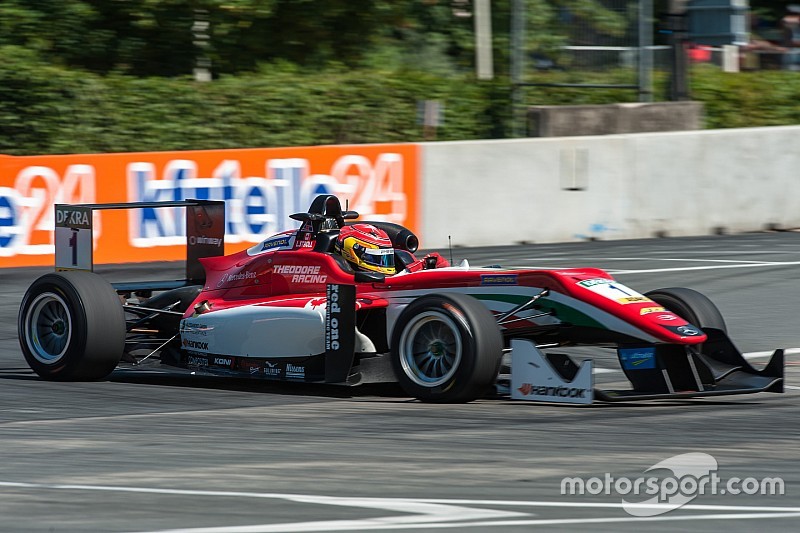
[(425, 513), (735, 264)]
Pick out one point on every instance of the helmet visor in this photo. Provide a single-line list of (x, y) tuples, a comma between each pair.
[(379, 257)]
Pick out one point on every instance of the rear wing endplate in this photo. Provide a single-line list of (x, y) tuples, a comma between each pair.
[(205, 237)]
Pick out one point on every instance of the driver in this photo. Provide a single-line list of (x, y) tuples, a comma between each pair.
[(366, 248)]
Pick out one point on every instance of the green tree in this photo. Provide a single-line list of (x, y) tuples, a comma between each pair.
[(166, 37), (310, 33)]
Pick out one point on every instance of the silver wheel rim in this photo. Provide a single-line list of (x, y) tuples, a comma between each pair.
[(48, 328), (430, 349)]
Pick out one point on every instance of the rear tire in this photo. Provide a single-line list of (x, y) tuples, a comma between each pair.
[(71, 327), (690, 305), (446, 348)]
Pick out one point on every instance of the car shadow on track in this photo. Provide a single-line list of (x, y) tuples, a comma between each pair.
[(21, 372), (368, 391), (382, 390)]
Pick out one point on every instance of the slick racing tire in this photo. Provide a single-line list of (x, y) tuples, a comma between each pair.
[(71, 327), (446, 348), (691, 306)]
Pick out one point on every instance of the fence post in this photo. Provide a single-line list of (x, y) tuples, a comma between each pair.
[(645, 50), (517, 62)]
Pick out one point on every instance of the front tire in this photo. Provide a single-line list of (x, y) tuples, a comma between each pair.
[(446, 348), (691, 306), (71, 327)]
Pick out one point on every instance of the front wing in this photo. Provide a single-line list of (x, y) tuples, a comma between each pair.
[(655, 372)]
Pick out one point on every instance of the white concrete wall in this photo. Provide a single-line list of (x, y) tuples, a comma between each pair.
[(631, 186)]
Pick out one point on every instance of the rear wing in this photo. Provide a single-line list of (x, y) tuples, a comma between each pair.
[(205, 237)]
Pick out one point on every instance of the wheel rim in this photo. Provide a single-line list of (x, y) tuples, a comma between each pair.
[(430, 349), (48, 328)]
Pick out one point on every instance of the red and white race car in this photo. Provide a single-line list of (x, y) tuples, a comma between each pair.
[(292, 309)]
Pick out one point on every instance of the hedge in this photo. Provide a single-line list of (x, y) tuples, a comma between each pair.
[(46, 109)]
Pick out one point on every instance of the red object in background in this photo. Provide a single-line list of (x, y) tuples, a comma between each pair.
[(700, 54)]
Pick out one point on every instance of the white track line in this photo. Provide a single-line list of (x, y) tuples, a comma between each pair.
[(675, 259), (709, 267), (761, 355), (738, 264), (380, 524), (422, 513)]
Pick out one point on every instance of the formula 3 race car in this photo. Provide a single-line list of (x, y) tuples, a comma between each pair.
[(290, 309)]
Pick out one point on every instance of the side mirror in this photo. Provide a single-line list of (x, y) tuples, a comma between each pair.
[(369, 277)]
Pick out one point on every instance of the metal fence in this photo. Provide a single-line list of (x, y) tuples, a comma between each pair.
[(610, 48)]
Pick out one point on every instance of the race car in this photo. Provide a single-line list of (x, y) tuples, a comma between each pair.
[(294, 308)]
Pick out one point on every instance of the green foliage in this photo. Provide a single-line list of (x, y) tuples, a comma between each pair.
[(746, 99), (61, 111), (34, 99), (49, 109), (172, 37)]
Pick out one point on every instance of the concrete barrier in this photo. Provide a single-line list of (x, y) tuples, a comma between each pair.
[(567, 120), (556, 189), (609, 187)]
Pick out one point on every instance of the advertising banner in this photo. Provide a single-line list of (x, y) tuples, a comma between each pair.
[(261, 187), (535, 378)]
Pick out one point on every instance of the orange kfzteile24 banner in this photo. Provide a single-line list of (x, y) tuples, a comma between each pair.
[(261, 187)]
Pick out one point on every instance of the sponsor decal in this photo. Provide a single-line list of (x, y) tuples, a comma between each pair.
[(667, 317), (213, 241), (528, 389), (73, 238), (304, 235), (295, 371), (241, 276), (592, 282), (223, 361), (195, 328), (197, 361), (205, 235), (277, 242), (498, 279), (301, 273), (614, 290), (688, 330), (637, 358), (272, 370), (71, 217), (534, 378), (649, 310), (332, 318), (296, 269), (313, 303), (195, 345), (339, 332), (633, 300)]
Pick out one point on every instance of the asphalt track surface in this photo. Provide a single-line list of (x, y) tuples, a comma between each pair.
[(155, 452)]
